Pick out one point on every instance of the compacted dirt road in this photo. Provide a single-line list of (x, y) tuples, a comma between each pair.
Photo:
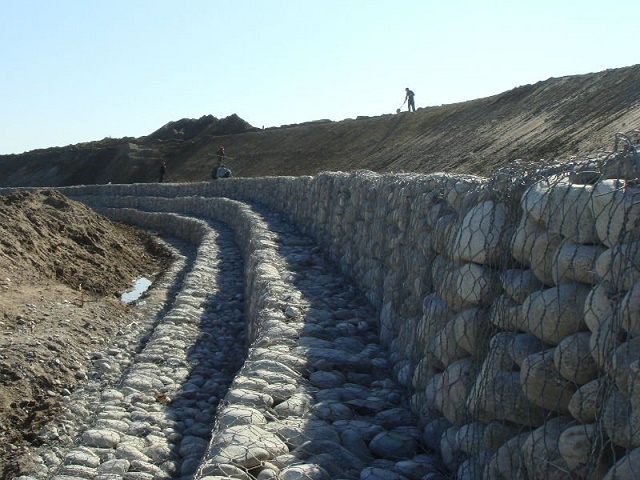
[(63, 269)]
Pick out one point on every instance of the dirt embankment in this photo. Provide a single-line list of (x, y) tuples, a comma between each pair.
[(552, 119), (62, 270)]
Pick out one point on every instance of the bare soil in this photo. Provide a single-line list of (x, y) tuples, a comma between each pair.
[(553, 119), (63, 269)]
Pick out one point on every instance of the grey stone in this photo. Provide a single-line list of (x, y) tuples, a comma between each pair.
[(304, 472), (599, 305), (623, 357), (376, 473), (457, 382), (473, 467), (114, 467), (280, 392), (436, 314), (587, 401), (297, 431), (330, 379), (393, 445), (499, 396), (576, 263), (395, 417), (240, 415), (620, 265), (630, 311), (535, 247), (442, 349), (433, 431), (508, 461), (573, 359), (577, 445), (367, 429), (480, 235), (296, 406), (245, 445), (330, 455), (477, 284), (332, 411), (101, 438), (82, 456), (423, 373), (497, 433), (541, 453), (129, 452), (418, 466), (147, 467), (570, 212), (266, 474), (615, 211), (344, 358), (472, 331), (223, 471), (615, 420), (626, 468), (542, 383), (192, 446), (524, 344), (355, 442), (111, 424), (520, 283), (470, 438), (604, 341), (248, 398), (506, 314), (452, 456), (271, 370), (75, 472), (555, 313)]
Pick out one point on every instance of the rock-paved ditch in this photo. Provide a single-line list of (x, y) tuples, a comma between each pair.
[(262, 362)]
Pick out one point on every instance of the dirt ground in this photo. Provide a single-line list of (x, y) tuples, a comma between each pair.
[(63, 269)]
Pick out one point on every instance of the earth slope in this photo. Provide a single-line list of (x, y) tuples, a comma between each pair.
[(552, 119), (62, 270)]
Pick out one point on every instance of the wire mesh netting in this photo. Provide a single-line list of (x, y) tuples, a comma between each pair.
[(531, 333), (509, 307)]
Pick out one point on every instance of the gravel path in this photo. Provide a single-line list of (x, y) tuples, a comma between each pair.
[(254, 358)]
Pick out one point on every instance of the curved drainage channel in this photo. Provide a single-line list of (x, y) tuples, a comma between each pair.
[(314, 398)]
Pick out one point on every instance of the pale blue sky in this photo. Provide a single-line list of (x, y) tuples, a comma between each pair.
[(80, 70)]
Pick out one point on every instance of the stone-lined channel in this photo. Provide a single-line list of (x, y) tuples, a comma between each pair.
[(314, 397)]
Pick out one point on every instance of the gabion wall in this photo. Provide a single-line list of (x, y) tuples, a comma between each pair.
[(510, 304)]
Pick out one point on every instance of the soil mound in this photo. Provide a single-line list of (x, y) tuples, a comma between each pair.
[(46, 234), (62, 269)]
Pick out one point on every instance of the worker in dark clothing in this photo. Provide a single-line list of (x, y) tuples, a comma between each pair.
[(220, 154), (163, 171), (221, 170), (409, 99)]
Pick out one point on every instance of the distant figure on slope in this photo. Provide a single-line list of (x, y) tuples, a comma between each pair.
[(409, 99), (163, 170), (220, 154)]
